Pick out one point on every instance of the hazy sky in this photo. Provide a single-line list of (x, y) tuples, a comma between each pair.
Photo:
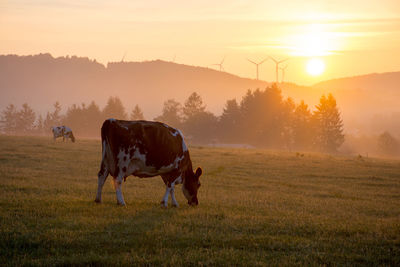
[(351, 37)]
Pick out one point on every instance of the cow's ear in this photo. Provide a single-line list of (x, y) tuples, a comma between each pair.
[(199, 171)]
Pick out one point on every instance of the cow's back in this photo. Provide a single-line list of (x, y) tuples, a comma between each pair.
[(160, 143)]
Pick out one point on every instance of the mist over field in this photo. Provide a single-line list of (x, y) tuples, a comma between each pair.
[(368, 105)]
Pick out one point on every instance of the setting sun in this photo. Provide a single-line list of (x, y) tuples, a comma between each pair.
[(315, 66)]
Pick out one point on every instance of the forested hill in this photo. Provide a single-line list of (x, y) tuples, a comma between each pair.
[(40, 80), (368, 103)]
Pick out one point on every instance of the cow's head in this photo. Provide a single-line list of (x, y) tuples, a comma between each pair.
[(191, 186)]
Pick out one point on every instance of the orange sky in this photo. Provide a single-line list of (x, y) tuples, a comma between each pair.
[(351, 37)]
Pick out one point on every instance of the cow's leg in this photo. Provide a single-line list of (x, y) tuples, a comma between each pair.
[(118, 191), (164, 201), (102, 177), (172, 191)]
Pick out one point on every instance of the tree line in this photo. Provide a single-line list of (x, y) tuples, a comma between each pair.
[(262, 118)]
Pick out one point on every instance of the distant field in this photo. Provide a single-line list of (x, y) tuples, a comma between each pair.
[(257, 207)]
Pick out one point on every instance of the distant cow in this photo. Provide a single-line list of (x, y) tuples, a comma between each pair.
[(146, 149), (64, 132)]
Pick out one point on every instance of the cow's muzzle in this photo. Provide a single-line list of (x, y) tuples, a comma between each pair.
[(193, 202)]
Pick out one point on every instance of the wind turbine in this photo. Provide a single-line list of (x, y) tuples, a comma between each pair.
[(221, 68), (277, 66), (283, 72), (122, 60), (257, 64)]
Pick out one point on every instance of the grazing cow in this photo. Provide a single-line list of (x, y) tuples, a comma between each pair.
[(64, 132), (146, 149)]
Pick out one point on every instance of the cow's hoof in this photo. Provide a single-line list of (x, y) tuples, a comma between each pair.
[(163, 204), (121, 204), (175, 205), (97, 201)]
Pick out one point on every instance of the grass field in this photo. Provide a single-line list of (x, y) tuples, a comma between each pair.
[(257, 207)]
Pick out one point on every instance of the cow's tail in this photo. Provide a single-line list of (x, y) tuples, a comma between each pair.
[(104, 130), (72, 137), (106, 148)]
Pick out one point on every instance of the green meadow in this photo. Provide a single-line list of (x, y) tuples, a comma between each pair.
[(256, 208)]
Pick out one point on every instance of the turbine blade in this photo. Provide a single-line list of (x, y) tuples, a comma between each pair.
[(262, 61), (273, 59), (252, 61)]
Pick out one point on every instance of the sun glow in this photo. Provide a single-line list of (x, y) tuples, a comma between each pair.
[(315, 66), (313, 40)]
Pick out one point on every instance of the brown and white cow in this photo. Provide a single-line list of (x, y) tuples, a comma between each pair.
[(64, 132), (147, 149)]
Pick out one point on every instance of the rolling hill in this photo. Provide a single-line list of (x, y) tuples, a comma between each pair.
[(368, 103), (41, 80)]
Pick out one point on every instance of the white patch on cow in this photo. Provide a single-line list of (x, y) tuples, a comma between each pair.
[(57, 132), (139, 156), (174, 202), (173, 165), (184, 147), (171, 191), (67, 129), (166, 195), (117, 186), (178, 180), (123, 161)]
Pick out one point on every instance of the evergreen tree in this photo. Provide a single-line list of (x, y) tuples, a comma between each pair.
[(201, 127), (229, 122), (26, 120), (302, 127), (263, 117), (75, 118), (95, 120), (328, 125), (54, 118), (287, 134), (40, 126), (114, 109), (136, 114), (171, 113), (193, 105), (9, 118)]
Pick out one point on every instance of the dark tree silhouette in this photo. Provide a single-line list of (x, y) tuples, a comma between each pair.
[(84, 121), (263, 117), (193, 105), (40, 130), (114, 109), (136, 114), (288, 109), (201, 127), (229, 122), (26, 120), (54, 118), (328, 125), (171, 113), (9, 119), (302, 127)]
